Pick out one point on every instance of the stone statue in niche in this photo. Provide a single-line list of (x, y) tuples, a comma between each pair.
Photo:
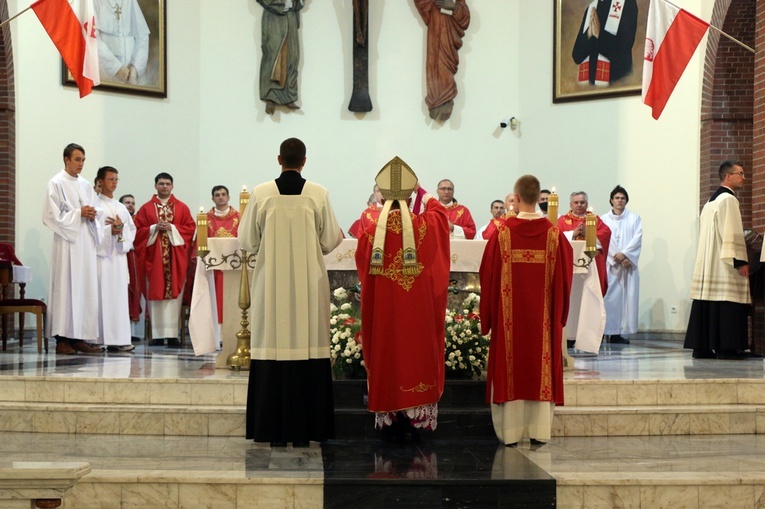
[(447, 21), (360, 100), (281, 53)]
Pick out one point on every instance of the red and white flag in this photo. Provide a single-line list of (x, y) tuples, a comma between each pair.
[(672, 36), (71, 25)]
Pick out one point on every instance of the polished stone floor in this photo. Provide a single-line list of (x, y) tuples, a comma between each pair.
[(641, 360)]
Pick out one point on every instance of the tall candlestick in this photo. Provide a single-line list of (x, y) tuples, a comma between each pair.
[(591, 232), (202, 230), (244, 199), (552, 207)]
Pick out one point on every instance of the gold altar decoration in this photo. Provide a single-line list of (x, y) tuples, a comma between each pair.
[(590, 239), (552, 207), (240, 360), (202, 233)]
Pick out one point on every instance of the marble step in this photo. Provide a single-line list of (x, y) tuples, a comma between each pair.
[(229, 421), (232, 391)]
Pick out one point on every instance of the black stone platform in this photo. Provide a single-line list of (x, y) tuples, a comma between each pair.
[(459, 465), (462, 411), (476, 474)]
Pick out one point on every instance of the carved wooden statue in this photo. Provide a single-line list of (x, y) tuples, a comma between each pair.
[(281, 53), (445, 32)]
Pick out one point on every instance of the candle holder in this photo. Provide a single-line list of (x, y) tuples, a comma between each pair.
[(240, 360), (584, 262)]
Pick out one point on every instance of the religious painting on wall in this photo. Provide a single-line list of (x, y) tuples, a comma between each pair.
[(598, 48), (132, 55)]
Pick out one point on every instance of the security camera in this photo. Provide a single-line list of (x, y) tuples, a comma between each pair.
[(504, 122)]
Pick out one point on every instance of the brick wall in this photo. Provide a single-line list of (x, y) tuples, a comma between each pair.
[(7, 134), (727, 99)]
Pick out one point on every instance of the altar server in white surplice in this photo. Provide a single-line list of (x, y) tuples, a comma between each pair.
[(621, 299), (113, 277), (72, 211)]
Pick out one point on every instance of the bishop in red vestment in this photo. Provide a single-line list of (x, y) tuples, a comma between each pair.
[(222, 221), (165, 230), (404, 271), (575, 221), (525, 275)]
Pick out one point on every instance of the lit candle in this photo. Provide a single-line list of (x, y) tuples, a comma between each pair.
[(244, 199), (202, 230), (552, 207), (590, 232)]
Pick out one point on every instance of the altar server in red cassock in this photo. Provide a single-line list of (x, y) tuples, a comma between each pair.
[(574, 222), (525, 277), (222, 222), (403, 265), (163, 243)]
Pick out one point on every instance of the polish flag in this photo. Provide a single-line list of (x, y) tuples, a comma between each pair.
[(71, 25), (672, 36)]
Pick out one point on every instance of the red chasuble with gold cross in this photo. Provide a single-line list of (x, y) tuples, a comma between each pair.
[(402, 316), (525, 276)]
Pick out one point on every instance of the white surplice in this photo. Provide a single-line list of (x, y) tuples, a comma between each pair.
[(289, 234), (73, 290), (113, 276), (721, 240), (621, 299)]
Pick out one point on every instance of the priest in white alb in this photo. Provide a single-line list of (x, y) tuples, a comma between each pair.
[(718, 326)]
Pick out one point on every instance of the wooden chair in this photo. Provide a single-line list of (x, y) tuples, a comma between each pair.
[(38, 307), (9, 305)]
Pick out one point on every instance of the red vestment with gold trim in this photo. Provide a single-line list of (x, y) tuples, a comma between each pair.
[(223, 227), (493, 225), (368, 217), (165, 265), (460, 216), (402, 316), (569, 222), (525, 276)]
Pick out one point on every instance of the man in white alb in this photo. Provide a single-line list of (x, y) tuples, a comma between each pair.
[(72, 211), (113, 277), (621, 299)]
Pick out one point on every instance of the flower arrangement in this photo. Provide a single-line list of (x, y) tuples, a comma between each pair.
[(345, 334), (466, 348)]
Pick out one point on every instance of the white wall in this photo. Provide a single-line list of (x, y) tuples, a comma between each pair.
[(212, 128)]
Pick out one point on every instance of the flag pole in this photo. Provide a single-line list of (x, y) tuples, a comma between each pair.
[(14, 17), (719, 31)]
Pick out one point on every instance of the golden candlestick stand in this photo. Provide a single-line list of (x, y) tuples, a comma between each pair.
[(240, 360), (591, 247)]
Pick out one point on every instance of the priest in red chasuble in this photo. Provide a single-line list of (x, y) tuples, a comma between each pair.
[(461, 224), (163, 243), (574, 222), (222, 221), (403, 265), (369, 216), (525, 277)]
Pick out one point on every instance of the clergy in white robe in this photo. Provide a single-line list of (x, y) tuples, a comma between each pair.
[(113, 277), (718, 325), (72, 211), (289, 225), (621, 299)]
